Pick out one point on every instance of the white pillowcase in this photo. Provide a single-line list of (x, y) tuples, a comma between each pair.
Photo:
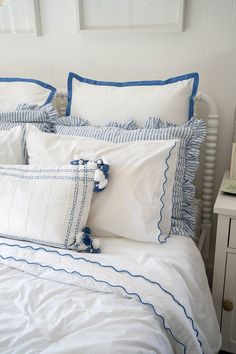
[(14, 91), (100, 102), (46, 205), (11, 146), (137, 203)]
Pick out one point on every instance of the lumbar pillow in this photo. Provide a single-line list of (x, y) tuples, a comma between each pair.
[(98, 101), (137, 203), (48, 205), (11, 146)]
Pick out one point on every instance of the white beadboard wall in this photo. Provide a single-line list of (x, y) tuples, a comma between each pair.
[(208, 45)]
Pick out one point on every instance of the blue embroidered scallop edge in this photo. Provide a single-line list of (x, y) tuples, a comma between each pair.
[(168, 329), (38, 82), (193, 76), (41, 248), (163, 194)]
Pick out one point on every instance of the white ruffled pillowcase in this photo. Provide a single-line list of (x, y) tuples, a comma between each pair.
[(191, 134), (137, 203)]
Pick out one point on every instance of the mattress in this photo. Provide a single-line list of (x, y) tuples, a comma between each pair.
[(134, 297)]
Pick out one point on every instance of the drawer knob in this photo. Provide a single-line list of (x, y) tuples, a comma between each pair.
[(228, 305)]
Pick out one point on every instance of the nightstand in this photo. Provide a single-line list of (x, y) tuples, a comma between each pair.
[(224, 278)]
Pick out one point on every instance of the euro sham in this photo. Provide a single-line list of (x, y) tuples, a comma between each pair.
[(101, 101)]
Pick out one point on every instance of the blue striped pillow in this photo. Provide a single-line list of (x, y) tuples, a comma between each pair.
[(41, 116), (191, 135)]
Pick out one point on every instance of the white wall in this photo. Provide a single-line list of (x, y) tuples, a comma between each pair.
[(208, 45)]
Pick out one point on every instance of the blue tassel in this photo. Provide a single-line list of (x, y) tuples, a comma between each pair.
[(74, 162), (97, 250), (86, 240), (86, 230), (105, 169)]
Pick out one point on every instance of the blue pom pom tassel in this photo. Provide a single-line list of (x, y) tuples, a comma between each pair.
[(86, 230), (86, 240)]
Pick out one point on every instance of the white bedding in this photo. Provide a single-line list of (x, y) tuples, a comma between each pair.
[(51, 303)]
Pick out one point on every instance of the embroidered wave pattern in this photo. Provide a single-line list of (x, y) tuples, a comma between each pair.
[(91, 274), (190, 134)]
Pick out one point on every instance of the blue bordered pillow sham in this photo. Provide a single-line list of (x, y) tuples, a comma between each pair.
[(14, 91), (98, 101), (191, 136), (49, 205)]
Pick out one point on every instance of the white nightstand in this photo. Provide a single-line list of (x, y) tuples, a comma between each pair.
[(224, 278)]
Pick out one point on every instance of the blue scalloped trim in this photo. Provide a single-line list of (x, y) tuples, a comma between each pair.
[(184, 222), (41, 248), (163, 194), (133, 294)]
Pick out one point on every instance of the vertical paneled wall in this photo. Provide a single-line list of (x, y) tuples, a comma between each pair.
[(208, 45)]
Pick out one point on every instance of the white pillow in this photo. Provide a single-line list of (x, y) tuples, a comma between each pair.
[(14, 91), (100, 102), (137, 203), (46, 205), (11, 146)]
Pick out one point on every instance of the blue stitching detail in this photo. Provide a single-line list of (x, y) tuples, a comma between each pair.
[(193, 76), (20, 238), (71, 178), (163, 194), (74, 205), (194, 92), (116, 270), (38, 82), (103, 282)]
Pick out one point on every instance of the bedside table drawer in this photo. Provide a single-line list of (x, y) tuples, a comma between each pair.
[(232, 234)]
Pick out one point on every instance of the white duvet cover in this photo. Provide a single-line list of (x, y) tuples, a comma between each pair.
[(135, 297)]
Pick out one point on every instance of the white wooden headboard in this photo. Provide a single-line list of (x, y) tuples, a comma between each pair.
[(207, 167)]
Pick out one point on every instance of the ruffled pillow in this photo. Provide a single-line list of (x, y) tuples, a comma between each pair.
[(191, 136)]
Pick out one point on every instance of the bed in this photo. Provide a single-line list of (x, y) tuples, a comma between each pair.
[(133, 297)]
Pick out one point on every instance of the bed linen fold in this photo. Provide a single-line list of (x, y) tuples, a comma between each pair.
[(178, 303)]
